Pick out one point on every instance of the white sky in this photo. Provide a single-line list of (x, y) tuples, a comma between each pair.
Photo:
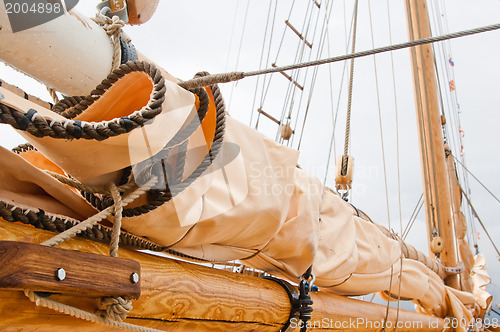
[(189, 36)]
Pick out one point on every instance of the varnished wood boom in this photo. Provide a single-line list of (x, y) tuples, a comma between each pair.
[(26, 266), (179, 296)]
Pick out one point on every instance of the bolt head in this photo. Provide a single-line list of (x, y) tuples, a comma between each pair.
[(134, 278), (60, 274)]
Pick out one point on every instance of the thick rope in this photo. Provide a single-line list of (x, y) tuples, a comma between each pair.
[(234, 76), (39, 126), (208, 80), (158, 198), (78, 313), (57, 224)]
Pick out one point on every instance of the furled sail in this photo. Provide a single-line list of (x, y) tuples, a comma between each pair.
[(222, 190), (252, 203)]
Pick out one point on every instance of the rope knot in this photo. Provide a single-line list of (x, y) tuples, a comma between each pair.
[(116, 308), (113, 27)]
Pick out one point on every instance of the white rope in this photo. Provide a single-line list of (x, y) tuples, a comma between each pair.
[(113, 27), (117, 223), (116, 307), (397, 156), (61, 237), (78, 313), (380, 121)]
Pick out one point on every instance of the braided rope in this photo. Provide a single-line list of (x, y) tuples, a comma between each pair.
[(39, 126), (53, 94), (117, 308), (61, 237), (208, 80), (25, 147), (117, 224), (157, 197), (349, 100), (58, 224), (78, 313)]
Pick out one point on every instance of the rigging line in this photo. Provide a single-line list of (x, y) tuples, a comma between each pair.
[(397, 121), (299, 54), (413, 216), (263, 95), (239, 52), (312, 82), (265, 88), (331, 84), (235, 76), (261, 59), (489, 191), (399, 46), (323, 36), (284, 32), (413, 221), (315, 70), (379, 119), (349, 97), (232, 35), (332, 139), (445, 97), (479, 219), (456, 107), (397, 157)]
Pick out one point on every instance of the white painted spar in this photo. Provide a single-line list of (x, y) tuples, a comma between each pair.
[(70, 53)]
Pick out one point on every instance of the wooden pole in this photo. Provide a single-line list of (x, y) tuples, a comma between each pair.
[(179, 296), (434, 168)]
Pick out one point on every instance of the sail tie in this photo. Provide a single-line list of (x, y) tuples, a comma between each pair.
[(113, 27), (116, 308)]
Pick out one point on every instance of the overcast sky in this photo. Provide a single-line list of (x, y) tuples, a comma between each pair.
[(189, 36)]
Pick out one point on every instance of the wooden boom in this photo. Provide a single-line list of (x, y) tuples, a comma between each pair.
[(180, 296)]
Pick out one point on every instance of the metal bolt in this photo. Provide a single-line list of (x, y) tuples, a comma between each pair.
[(134, 277), (60, 274)]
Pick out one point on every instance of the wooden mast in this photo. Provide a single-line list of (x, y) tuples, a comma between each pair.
[(434, 169)]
